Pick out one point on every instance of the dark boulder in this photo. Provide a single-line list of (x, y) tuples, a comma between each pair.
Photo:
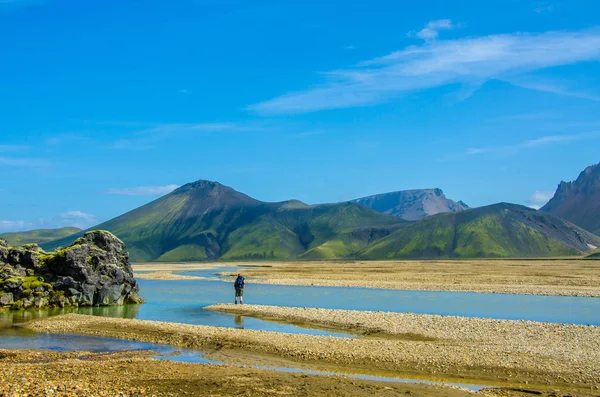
[(93, 271)]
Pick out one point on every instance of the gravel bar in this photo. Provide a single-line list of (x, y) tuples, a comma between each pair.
[(503, 351)]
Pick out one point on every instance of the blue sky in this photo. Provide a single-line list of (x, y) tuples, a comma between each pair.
[(105, 105)]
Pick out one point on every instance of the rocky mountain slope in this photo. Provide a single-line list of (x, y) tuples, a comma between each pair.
[(94, 270), (579, 201), (207, 220), (500, 230), (38, 236), (412, 205)]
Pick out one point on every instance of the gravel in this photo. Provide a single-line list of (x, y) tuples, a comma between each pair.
[(511, 351)]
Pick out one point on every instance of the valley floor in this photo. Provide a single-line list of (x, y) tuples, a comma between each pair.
[(508, 354), (43, 373), (566, 277)]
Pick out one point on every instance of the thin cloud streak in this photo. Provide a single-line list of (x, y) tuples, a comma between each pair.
[(532, 143), (12, 148), (148, 138), (142, 190), (467, 62), (14, 226), (431, 30), (23, 162)]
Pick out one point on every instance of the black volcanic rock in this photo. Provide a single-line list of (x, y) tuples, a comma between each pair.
[(93, 271), (579, 201), (412, 205)]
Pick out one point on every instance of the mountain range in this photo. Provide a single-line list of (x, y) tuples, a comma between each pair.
[(209, 221), (579, 201), (412, 205)]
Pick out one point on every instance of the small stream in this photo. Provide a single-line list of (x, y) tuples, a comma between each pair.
[(184, 301)]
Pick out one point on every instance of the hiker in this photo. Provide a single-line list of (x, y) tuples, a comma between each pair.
[(239, 285)]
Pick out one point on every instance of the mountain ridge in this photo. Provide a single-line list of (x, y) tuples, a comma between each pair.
[(413, 204), (206, 220), (578, 201), (498, 230)]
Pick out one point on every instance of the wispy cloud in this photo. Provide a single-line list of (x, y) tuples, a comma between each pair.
[(149, 138), (538, 199), (14, 226), (532, 143), (12, 148), (67, 138), (76, 218), (432, 29), (16, 3), (545, 7), (142, 190), (23, 162), (467, 61)]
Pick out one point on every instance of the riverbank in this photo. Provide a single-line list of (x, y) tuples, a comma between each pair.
[(45, 373), (475, 358), (561, 277)]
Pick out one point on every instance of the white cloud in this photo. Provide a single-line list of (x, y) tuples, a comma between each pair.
[(431, 30), (467, 61), (539, 198), (142, 190)]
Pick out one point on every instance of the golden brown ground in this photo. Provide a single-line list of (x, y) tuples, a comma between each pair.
[(38, 373), (477, 359), (539, 277)]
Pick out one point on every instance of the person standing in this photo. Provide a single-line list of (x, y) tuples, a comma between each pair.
[(239, 285)]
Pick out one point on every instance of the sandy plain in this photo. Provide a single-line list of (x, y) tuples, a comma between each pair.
[(471, 355), (566, 277)]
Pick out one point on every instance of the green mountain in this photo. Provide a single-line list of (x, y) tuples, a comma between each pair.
[(38, 236), (206, 220), (496, 231)]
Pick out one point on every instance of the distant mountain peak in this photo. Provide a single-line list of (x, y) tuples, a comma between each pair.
[(412, 204), (579, 201)]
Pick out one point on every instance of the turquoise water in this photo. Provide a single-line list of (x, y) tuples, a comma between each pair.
[(558, 309), (185, 301)]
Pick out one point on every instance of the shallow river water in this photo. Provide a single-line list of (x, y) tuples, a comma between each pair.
[(185, 301)]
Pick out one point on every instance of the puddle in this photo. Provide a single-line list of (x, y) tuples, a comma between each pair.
[(21, 338)]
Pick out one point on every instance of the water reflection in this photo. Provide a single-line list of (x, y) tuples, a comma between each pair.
[(239, 321), (9, 318)]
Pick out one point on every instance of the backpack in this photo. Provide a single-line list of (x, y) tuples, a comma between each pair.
[(239, 282)]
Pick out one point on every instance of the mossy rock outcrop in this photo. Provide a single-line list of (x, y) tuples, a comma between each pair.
[(93, 271)]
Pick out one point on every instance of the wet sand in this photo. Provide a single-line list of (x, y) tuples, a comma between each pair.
[(472, 355), (533, 277)]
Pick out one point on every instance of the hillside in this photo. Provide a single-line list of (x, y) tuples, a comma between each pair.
[(206, 220), (579, 201), (38, 236), (500, 230), (412, 205)]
